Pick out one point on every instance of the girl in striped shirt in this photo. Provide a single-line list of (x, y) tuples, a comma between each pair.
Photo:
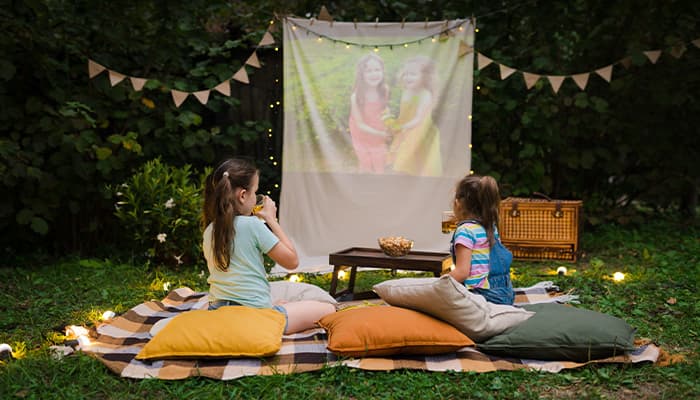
[(481, 261)]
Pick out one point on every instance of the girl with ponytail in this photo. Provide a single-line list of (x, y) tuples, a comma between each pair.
[(482, 263), (235, 240)]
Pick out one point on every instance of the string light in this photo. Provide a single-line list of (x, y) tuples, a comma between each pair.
[(471, 172), (446, 31), (294, 278), (341, 274), (562, 271), (470, 145), (272, 158), (470, 117), (478, 87), (618, 276)]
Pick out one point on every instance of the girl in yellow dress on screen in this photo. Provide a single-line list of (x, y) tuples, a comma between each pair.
[(415, 148)]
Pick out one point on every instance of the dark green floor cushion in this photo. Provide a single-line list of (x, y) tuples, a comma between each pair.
[(560, 332)]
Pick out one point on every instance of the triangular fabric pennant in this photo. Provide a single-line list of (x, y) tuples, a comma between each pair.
[(464, 48), (555, 81), (253, 60), (137, 83), (581, 80), (202, 96), (266, 39), (241, 75), (677, 50), (505, 71), (605, 72), (696, 42), (324, 15), (482, 61), (530, 79), (94, 69), (626, 62), (653, 55), (178, 96), (115, 77), (224, 88)]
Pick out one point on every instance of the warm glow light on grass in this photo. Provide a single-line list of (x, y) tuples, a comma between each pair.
[(562, 270), (107, 315), (618, 276)]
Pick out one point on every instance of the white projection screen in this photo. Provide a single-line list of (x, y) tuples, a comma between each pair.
[(376, 132)]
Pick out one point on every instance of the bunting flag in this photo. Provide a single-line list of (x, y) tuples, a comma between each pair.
[(266, 39), (505, 71), (223, 88), (464, 49), (94, 69), (605, 72), (324, 15), (653, 55), (555, 81), (581, 80), (202, 96), (626, 62), (137, 83), (482, 61), (241, 75), (677, 50), (253, 60), (530, 79), (178, 96), (115, 77)]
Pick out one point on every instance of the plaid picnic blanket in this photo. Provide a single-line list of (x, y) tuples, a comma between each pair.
[(118, 341)]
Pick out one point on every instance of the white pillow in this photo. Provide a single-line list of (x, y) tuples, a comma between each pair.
[(298, 291), (450, 301)]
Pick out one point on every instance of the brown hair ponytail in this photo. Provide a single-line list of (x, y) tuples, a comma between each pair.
[(219, 207), (479, 197)]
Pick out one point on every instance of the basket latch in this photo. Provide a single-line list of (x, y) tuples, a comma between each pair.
[(514, 212), (557, 213)]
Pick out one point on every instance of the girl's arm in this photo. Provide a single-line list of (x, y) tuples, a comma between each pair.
[(463, 265), (357, 116), (422, 111), (283, 253)]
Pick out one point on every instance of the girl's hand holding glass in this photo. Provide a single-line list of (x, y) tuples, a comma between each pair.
[(265, 208)]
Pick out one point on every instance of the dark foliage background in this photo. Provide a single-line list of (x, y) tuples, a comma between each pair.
[(622, 147)]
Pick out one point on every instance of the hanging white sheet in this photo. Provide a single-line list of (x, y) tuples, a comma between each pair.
[(376, 132)]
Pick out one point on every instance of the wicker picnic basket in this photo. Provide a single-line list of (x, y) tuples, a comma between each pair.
[(541, 229)]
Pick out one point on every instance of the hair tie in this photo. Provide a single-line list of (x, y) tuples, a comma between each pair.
[(226, 174)]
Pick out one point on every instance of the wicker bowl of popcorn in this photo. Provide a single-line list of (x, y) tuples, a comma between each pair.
[(395, 246)]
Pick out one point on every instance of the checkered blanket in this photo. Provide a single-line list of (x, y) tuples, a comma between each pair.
[(118, 341)]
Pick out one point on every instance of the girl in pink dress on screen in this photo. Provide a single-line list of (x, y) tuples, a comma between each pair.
[(368, 103)]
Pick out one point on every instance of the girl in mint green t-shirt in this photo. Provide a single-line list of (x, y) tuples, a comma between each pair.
[(235, 241)]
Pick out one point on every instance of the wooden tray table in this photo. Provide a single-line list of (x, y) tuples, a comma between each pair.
[(354, 257)]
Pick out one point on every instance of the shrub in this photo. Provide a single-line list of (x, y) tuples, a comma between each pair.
[(159, 209)]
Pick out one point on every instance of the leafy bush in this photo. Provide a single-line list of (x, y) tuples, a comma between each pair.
[(159, 208)]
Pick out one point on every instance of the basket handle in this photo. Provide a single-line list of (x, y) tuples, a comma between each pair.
[(557, 213), (538, 194)]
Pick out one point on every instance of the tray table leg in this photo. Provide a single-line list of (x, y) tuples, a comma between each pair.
[(334, 280)]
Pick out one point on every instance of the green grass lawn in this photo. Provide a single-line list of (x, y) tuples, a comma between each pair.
[(659, 297)]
